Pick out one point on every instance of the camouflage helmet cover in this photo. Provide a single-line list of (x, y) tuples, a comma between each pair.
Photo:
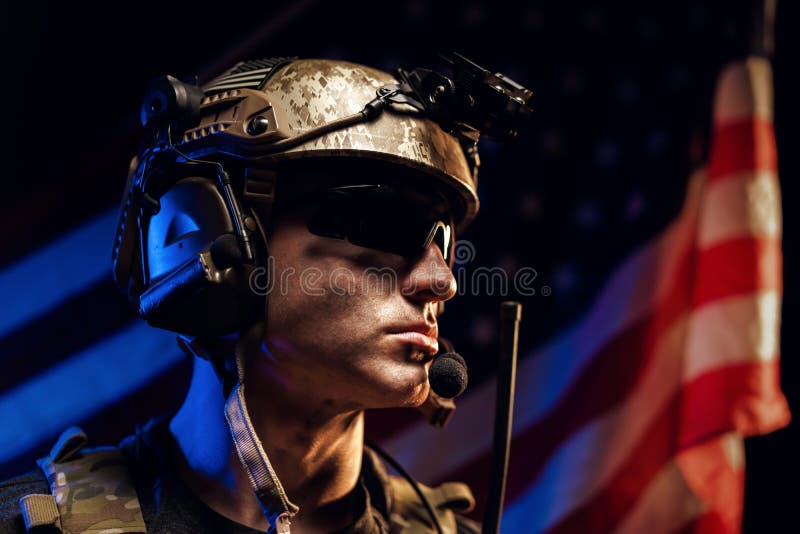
[(306, 94)]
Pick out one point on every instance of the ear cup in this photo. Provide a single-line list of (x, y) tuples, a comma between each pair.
[(192, 215), (196, 281)]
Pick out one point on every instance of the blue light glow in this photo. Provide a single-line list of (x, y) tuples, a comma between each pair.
[(41, 281), (76, 388)]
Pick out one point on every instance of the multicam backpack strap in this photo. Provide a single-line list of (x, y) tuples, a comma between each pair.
[(91, 490)]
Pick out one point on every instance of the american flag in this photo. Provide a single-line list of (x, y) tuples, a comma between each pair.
[(606, 424), (632, 420)]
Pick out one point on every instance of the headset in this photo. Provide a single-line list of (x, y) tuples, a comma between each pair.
[(185, 242)]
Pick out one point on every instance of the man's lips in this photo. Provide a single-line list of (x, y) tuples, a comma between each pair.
[(421, 336)]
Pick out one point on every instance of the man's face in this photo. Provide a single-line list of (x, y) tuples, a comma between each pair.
[(353, 327)]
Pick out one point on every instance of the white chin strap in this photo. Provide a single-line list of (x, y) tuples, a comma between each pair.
[(263, 480)]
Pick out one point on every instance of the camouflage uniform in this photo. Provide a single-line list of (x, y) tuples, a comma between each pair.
[(167, 505)]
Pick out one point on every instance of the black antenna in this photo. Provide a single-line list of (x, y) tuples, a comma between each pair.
[(510, 314)]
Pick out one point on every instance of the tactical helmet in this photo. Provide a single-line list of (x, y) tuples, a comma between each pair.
[(312, 93), (193, 217)]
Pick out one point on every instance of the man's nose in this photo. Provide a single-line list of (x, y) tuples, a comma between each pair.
[(430, 278)]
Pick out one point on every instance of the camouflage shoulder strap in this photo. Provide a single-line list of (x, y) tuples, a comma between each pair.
[(91, 490), (409, 516)]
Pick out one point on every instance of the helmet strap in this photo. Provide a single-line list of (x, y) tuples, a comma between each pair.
[(229, 365), (274, 502)]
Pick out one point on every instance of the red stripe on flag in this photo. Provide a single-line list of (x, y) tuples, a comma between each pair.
[(737, 267), (744, 145), (714, 470), (744, 397)]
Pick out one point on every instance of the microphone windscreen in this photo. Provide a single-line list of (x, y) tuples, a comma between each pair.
[(448, 375)]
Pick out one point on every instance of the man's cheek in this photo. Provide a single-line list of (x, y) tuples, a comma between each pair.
[(311, 282)]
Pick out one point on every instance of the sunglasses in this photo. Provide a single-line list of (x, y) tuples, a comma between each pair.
[(384, 218)]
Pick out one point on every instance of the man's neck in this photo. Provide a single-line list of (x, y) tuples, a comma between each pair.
[(315, 449)]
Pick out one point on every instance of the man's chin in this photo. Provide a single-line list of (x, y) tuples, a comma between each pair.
[(408, 394), (415, 395)]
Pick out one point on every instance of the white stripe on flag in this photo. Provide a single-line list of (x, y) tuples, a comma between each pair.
[(733, 330), (746, 204), (744, 89)]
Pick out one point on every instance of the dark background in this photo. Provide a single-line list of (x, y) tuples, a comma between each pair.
[(622, 110)]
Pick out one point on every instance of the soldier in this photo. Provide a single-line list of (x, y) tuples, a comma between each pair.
[(293, 222)]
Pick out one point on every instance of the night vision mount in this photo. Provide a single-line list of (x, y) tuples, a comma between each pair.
[(471, 99)]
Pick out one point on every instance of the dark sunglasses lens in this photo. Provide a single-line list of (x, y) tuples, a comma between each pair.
[(386, 227), (381, 222)]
